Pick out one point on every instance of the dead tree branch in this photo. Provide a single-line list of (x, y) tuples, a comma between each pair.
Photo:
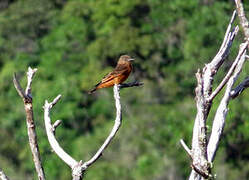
[(78, 168), (115, 128), (203, 150), (245, 25), (50, 133), (227, 77), (184, 145), (242, 18), (2, 175), (27, 100), (211, 69), (240, 88), (204, 97), (218, 60), (220, 116), (132, 84)]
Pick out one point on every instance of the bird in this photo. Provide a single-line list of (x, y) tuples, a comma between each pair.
[(120, 73)]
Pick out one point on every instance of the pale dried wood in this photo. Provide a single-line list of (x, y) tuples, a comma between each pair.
[(78, 168)]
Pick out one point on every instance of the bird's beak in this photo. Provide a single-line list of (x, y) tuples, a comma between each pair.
[(131, 59)]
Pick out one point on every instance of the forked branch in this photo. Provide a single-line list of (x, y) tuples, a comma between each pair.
[(204, 97), (78, 167), (115, 128), (27, 100), (228, 75), (203, 150), (50, 133), (220, 116)]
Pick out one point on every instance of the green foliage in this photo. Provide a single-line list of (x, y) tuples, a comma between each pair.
[(74, 44)]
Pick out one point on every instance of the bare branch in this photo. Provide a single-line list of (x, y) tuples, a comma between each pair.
[(201, 166), (227, 35), (226, 44), (132, 84), (2, 175), (55, 100), (27, 99), (220, 116), (30, 74), (51, 138), (184, 145), (18, 87), (240, 88), (56, 124), (78, 168), (211, 69), (243, 20), (229, 74), (115, 128)]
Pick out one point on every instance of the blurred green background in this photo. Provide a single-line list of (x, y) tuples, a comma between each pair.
[(75, 43)]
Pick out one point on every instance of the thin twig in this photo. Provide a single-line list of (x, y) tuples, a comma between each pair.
[(55, 100), (27, 99), (18, 87), (226, 44), (56, 124), (184, 145), (240, 88), (132, 84), (228, 33)]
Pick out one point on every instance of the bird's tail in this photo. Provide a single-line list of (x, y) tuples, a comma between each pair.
[(92, 91)]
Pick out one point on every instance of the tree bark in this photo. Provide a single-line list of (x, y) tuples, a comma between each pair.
[(27, 100)]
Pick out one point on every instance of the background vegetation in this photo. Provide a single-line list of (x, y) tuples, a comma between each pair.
[(74, 43)]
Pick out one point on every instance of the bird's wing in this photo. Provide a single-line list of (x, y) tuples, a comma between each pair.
[(117, 71)]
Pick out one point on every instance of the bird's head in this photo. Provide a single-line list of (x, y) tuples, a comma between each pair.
[(124, 59)]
